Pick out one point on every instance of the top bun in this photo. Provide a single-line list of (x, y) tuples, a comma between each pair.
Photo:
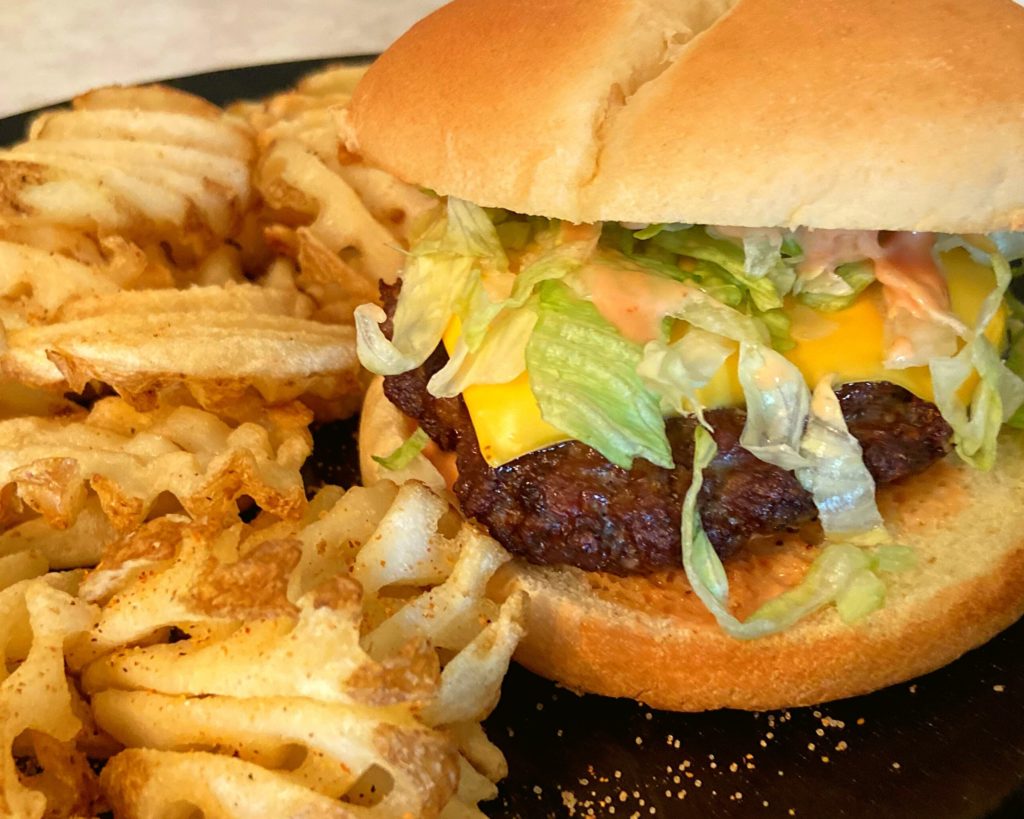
[(871, 114)]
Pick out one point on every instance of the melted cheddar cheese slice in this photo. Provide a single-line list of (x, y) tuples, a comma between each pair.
[(848, 343)]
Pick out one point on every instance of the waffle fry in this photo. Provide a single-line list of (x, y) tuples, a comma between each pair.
[(342, 223), (226, 347), (128, 458), (151, 163), (330, 657), (37, 718), (320, 680)]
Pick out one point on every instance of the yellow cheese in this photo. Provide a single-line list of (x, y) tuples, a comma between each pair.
[(505, 416), (848, 343)]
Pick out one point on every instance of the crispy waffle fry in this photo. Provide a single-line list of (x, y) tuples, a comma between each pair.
[(36, 713), (78, 546), (228, 348), (45, 271), (329, 685), (310, 650), (341, 221), (293, 177), (128, 458), (147, 784), (326, 747), (151, 163), (331, 657)]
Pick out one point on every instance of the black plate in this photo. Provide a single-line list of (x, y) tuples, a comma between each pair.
[(950, 744)]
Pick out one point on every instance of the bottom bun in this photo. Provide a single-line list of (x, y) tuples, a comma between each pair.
[(649, 638)]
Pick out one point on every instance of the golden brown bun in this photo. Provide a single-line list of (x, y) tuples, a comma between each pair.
[(648, 638), (828, 113)]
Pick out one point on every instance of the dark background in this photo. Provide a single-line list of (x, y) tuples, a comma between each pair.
[(950, 744)]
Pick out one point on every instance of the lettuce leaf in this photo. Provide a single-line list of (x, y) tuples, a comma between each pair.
[(842, 573), (442, 270), (778, 402), (554, 260), (1015, 351), (404, 452), (835, 473), (999, 393), (499, 359), (829, 291), (785, 427), (675, 371), (584, 376), (765, 290), (1010, 243)]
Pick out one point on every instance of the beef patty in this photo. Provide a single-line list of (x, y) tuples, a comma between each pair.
[(568, 504)]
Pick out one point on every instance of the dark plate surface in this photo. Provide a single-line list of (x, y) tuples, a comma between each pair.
[(950, 744)]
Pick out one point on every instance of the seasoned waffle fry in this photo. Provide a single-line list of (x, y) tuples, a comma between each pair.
[(78, 546), (128, 458), (286, 670), (311, 650), (341, 221), (46, 281), (218, 136), (147, 784), (330, 657), (36, 698), (146, 98), (326, 747)]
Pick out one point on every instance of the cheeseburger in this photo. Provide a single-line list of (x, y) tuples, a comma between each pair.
[(715, 332)]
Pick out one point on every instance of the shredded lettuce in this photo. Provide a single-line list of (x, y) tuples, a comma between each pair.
[(441, 272), (999, 393), (554, 261), (1010, 243), (1015, 351), (499, 359), (785, 427), (835, 474), (778, 402), (675, 371), (829, 290), (584, 376), (842, 573), (754, 276), (766, 290), (404, 452), (653, 230)]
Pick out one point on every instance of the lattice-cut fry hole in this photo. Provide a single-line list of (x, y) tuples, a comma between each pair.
[(15, 626), (292, 177), (64, 777), (326, 747), (471, 681), (334, 530)]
